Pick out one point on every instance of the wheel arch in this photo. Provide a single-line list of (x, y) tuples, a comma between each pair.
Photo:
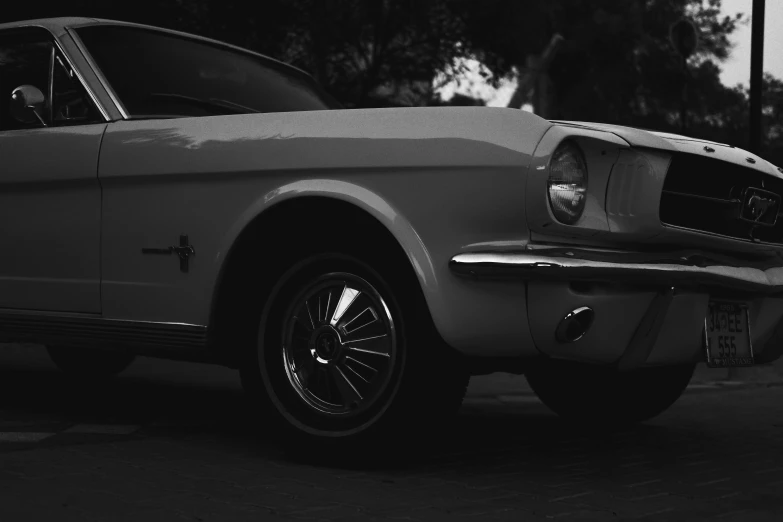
[(272, 224)]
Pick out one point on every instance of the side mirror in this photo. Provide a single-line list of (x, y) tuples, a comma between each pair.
[(27, 104)]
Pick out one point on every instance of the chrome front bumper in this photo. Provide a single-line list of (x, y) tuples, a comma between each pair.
[(681, 269)]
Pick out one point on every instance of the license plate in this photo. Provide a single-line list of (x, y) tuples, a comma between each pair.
[(727, 335)]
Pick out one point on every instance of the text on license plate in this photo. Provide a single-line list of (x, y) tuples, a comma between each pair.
[(727, 335)]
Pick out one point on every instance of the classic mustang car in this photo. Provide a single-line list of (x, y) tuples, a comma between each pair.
[(167, 195)]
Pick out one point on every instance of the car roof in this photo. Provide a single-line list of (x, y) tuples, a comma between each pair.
[(55, 25), (58, 26)]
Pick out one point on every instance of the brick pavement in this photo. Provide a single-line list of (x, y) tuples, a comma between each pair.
[(149, 447)]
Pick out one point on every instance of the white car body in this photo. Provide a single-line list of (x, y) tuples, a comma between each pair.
[(459, 189)]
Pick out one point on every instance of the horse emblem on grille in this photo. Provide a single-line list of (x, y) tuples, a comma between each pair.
[(760, 206)]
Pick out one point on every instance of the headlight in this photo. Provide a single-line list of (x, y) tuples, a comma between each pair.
[(567, 184)]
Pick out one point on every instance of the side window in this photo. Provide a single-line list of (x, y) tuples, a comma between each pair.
[(30, 59), (70, 102), (22, 63)]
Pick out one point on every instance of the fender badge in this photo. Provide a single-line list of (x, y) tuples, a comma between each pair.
[(184, 251)]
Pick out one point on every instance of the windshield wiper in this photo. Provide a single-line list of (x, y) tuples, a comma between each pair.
[(209, 103)]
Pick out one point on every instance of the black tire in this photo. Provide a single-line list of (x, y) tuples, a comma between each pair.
[(420, 384), (89, 363), (589, 393)]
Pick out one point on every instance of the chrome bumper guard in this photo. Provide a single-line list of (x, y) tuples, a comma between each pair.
[(681, 270)]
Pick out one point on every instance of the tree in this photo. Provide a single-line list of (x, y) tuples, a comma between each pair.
[(458, 100), (617, 65), (365, 52)]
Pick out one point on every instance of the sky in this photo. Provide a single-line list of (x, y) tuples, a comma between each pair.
[(736, 69)]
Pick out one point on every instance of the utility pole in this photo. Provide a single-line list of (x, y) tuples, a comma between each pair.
[(756, 74), (756, 81)]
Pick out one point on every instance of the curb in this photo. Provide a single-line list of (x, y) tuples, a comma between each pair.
[(732, 385), (698, 387)]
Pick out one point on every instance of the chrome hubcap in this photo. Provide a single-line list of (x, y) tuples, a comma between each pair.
[(325, 345), (339, 345)]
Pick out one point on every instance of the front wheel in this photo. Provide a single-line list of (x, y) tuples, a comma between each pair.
[(588, 393), (346, 352)]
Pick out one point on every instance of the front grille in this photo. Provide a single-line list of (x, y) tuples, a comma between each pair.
[(711, 196)]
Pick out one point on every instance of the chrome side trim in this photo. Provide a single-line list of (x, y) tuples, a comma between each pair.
[(682, 270), (81, 79), (98, 74), (86, 329)]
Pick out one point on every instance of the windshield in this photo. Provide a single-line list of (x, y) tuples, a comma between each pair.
[(156, 74)]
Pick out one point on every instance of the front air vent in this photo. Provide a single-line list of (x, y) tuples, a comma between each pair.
[(716, 197)]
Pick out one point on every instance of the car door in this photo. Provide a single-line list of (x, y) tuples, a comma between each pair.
[(50, 197)]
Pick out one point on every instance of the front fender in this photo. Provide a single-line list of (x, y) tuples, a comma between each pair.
[(361, 197), (466, 315)]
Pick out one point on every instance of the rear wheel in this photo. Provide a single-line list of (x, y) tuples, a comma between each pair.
[(89, 362), (588, 393), (348, 352)]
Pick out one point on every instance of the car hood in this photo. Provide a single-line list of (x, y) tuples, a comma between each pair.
[(678, 143)]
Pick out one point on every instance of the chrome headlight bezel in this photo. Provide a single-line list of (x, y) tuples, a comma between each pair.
[(567, 183)]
